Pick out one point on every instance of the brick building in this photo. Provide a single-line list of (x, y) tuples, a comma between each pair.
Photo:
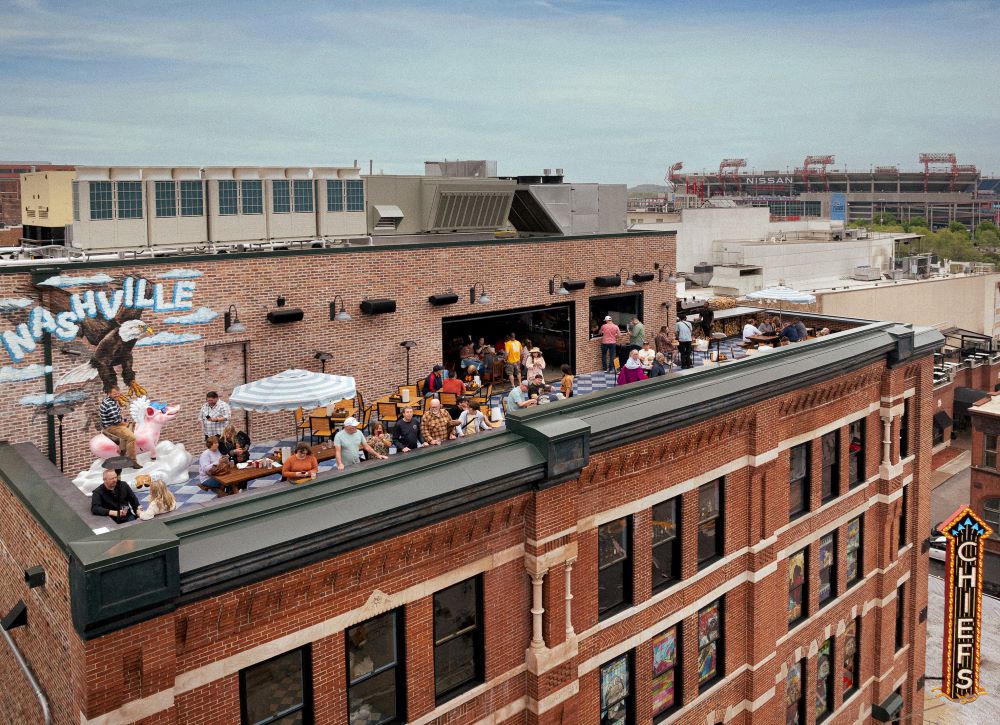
[(984, 492), (741, 542)]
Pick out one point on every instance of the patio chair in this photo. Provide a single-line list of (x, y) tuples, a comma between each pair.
[(448, 399), (366, 419), (319, 427), (387, 412), (301, 424)]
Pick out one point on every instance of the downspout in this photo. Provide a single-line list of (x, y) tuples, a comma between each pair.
[(31, 678), (50, 423)]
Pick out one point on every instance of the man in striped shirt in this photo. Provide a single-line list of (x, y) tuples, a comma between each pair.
[(214, 415), (112, 422)]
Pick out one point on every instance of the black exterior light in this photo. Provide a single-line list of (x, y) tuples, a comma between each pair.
[(608, 280), (623, 274), (671, 279), (562, 286), (16, 617), (642, 277), (340, 315), (34, 577), (283, 315), (574, 284), (483, 299), (448, 298), (377, 306), (231, 321)]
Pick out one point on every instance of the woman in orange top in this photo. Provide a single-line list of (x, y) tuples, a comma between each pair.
[(301, 464)]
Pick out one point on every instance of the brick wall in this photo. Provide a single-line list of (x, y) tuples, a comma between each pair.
[(204, 643), (515, 275)]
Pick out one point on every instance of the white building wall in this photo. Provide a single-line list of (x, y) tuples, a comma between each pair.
[(796, 264)]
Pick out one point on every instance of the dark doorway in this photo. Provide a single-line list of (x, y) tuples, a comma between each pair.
[(550, 328)]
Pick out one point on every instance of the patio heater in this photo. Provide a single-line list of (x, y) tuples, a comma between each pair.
[(408, 345), (323, 357)]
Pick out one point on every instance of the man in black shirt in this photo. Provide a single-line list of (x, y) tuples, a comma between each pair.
[(538, 388), (114, 499), (406, 436)]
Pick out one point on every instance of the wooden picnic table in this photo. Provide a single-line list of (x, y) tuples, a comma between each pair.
[(764, 339), (240, 477)]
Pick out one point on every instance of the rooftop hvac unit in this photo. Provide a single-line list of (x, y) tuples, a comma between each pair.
[(866, 273)]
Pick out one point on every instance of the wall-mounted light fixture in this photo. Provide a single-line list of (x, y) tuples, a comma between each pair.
[(34, 577), (623, 274), (608, 280), (16, 617), (282, 314), (231, 321), (562, 286), (340, 315), (671, 279), (448, 298), (377, 307), (483, 299), (323, 357), (642, 277)]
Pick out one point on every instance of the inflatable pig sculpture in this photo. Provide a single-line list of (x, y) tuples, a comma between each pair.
[(149, 418)]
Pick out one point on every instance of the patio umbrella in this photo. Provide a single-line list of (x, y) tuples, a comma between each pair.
[(292, 389), (782, 294)]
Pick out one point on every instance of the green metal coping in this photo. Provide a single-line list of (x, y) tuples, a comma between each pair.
[(276, 253)]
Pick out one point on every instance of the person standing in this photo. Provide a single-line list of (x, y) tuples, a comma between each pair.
[(566, 384), (112, 422), (662, 342), (683, 333), (348, 444), (707, 318), (406, 434), (215, 415), (512, 360), (114, 499), (436, 424), (609, 344), (535, 364), (637, 335)]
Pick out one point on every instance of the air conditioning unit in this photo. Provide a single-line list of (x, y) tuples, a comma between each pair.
[(867, 274)]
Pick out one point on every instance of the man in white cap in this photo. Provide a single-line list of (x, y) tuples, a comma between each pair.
[(609, 344), (349, 442)]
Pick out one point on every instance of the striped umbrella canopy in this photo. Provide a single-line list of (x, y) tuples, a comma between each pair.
[(291, 389), (783, 294)]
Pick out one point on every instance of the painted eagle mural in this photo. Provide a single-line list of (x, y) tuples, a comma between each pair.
[(113, 341)]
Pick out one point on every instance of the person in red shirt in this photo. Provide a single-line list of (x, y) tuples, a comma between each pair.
[(453, 385), (609, 344)]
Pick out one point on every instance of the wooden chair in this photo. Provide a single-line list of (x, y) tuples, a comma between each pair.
[(448, 399), (387, 412), (618, 366), (359, 402), (421, 384), (496, 374), (319, 427), (301, 424), (366, 419)]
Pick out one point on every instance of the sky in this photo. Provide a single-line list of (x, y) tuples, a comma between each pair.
[(611, 91)]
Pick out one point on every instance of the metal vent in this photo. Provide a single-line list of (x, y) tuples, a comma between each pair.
[(471, 210)]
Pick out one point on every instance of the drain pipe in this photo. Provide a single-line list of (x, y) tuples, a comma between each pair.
[(31, 678)]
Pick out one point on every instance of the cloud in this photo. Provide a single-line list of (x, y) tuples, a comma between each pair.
[(72, 396), (12, 304), (178, 273), (64, 281), (199, 316), (168, 338), (11, 374)]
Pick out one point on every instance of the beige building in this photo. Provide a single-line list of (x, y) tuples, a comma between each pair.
[(135, 207), (47, 205)]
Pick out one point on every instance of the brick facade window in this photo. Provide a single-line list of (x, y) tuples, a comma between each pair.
[(904, 431), (855, 563), (376, 685), (798, 589), (666, 685), (827, 567), (903, 503), (795, 703), (900, 614), (798, 480), (458, 638), (614, 567), (710, 645), (851, 657), (710, 523), (616, 691), (666, 543), (989, 451), (856, 453), (824, 680), (278, 690), (830, 445)]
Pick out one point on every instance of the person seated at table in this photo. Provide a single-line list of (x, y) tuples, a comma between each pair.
[(453, 385), (472, 420), (631, 371), (470, 377), (433, 382), (800, 326), (209, 459), (115, 499), (489, 358), (535, 364), (537, 387), (566, 383), (379, 440), (646, 356), (518, 398), (301, 464), (436, 425), (659, 366), (823, 332), (789, 332), (468, 355), (161, 501), (235, 444), (750, 329), (348, 444), (406, 436), (766, 327)]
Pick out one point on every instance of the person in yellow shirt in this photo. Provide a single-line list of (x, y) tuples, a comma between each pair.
[(512, 360)]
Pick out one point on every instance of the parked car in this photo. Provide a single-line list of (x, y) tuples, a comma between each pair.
[(938, 545)]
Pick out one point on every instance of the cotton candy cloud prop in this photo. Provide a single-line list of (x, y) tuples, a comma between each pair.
[(171, 464), (198, 317), (168, 338)]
